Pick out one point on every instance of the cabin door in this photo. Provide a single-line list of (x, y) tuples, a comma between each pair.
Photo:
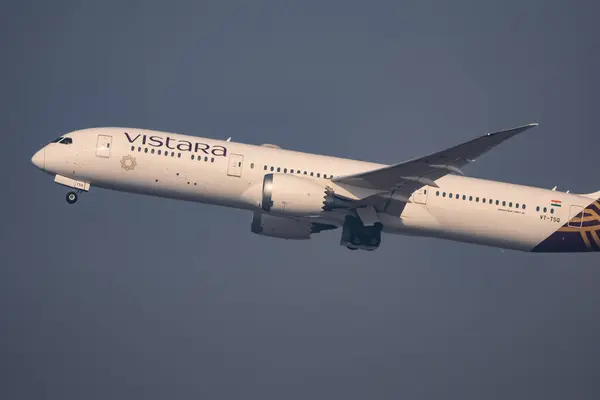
[(576, 216), (103, 146), (235, 165), (420, 196)]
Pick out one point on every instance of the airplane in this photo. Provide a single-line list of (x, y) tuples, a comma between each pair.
[(294, 195)]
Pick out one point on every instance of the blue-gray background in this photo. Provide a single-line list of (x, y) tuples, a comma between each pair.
[(125, 296)]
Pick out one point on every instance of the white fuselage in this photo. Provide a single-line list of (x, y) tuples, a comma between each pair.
[(231, 174)]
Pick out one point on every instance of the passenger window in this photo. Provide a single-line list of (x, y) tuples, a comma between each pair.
[(437, 193), (537, 209), (278, 169), (483, 200), (517, 205), (524, 206), (272, 169), (193, 156), (139, 149), (159, 152), (172, 154), (212, 159), (497, 202), (510, 204), (251, 165), (206, 159), (152, 151), (291, 171), (464, 197), (265, 168), (285, 170), (491, 201), (132, 148), (178, 155), (146, 150), (503, 204), (552, 211), (444, 194), (470, 198), (312, 174), (477, 199), (450, 195), (545, 209)]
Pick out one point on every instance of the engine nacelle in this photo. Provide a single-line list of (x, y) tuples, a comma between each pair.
[(291, 195), (280, 227)]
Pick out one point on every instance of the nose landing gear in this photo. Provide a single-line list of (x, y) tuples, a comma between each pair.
[(76, 186), (72, 197)]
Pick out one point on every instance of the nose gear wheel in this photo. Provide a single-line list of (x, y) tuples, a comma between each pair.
[(72, 197)]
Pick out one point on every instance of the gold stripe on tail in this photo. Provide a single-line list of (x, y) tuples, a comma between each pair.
[(596, 238), (585, 240)]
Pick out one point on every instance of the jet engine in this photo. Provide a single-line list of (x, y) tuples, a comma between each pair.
[(286, 228), (296, 196), (280, 227)]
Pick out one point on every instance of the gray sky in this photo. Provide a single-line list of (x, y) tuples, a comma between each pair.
[(125, 296)]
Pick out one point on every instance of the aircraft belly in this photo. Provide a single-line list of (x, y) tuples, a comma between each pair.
[(486, 227)]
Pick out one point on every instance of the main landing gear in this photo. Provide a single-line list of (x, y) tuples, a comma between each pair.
[(72, 197), (356, 236)]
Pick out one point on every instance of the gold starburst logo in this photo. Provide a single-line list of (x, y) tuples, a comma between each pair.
[(128, 163)]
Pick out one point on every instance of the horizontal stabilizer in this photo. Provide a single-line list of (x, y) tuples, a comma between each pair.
[(593, 196)]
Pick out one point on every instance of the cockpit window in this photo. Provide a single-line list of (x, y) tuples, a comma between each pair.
[(63, 140)]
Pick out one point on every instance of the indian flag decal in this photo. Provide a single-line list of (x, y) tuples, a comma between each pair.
[(556, 203)]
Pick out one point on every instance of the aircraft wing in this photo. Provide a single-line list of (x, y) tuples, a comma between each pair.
[(405, 178)]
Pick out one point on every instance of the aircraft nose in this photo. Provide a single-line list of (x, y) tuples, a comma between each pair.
[(39, 159)]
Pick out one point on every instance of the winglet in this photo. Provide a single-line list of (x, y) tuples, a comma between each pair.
[(528, 126), (523, 128), (513, 131)]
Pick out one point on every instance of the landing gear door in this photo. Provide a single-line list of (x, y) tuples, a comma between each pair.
[(103, 146), (576, 216), (420, 196), (235, 165)]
